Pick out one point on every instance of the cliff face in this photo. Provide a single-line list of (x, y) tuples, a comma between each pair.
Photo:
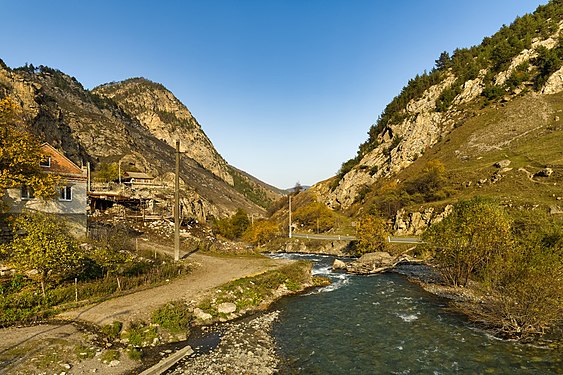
[(420, 126), (90, 127), (165, 117)]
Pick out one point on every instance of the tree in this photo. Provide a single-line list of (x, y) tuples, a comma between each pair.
[(42, 243), (469, 239), (20, 154), (315, 215), (261, 232), (107, 172), (371, 234), (444, 61)]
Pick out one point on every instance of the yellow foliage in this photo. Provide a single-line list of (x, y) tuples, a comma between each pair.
[(261, 232), (370, 232), (20, 154)]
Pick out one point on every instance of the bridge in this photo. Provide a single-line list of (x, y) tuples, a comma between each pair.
[(342, 237)]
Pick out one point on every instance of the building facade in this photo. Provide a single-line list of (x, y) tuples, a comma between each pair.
[(71, 199)]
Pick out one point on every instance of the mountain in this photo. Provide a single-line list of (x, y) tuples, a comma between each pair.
[(136, 123), (500, 102)]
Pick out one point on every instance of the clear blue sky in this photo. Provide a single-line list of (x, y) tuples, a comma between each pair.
[(285, 89)]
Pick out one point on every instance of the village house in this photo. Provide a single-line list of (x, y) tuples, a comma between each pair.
[(138, 179), (70, 201)]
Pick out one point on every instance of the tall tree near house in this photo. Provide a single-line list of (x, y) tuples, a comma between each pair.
[(20, 154), (42, 243)]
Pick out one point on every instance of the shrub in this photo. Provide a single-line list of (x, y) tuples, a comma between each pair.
[(174, 316), (261, 232), (371, 234), (466, 241)]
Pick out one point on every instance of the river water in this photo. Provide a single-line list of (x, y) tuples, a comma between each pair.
[(383, 324)]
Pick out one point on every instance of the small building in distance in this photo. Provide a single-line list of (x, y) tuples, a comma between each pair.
[(71, 199), (138, 180)]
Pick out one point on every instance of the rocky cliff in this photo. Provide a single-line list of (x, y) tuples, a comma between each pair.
[(165, 117), (138, 132), (523, 60)]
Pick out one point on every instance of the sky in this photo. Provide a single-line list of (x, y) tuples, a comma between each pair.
[(285, 89)]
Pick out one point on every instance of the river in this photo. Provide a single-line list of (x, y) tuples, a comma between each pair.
[(383, 324)]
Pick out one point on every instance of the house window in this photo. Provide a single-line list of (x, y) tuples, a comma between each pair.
[(45, 162), (66, 193), (27, 192)]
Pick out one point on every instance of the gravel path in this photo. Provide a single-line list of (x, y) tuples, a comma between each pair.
[(209, 272), (22, 348)]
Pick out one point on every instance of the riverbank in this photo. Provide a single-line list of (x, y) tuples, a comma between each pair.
[(71, 347), (246, 347)]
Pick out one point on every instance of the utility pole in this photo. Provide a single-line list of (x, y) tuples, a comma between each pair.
[(177, 205), (289, 215), (88, 173), (119, 172)]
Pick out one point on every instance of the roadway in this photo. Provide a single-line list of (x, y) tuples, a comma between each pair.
[(341, 237)]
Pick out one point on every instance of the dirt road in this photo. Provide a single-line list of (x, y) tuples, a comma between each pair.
[(209, 272), (23, 349)]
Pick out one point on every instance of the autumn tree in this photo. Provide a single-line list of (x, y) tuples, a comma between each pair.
[(20, 154), (469, 239), (261, 232), (371, 234), (315, 215), (42, 243)]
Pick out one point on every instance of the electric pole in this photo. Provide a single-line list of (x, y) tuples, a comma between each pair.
[(177, 205), (289, 215)]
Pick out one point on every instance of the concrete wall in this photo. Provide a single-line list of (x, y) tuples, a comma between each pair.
[(75, 211)]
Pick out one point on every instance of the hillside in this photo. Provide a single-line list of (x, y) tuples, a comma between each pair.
[(501, 100), (138, 129)]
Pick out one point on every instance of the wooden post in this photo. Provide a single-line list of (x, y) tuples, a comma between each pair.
[(177, 205), (75, 289)]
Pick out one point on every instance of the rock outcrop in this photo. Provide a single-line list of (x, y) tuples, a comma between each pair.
[(158, 110), (415, 223), (420, 126), (92, 128)]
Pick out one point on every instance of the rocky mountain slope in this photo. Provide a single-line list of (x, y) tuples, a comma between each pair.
[(139, 131), (158, 110), (499, 100)]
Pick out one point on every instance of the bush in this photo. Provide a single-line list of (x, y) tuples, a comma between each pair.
[(466, 241), (174, 316), (371, 234), (261, 232)]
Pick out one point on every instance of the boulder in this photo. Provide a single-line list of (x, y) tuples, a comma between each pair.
[(202, 315), (338, 265), (377, 257), (226, 308), (502, 164), (546, 172)]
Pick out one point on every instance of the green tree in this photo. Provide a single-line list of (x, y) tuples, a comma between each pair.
[(42, 243), (20, 154), (469, 239), (371, 234), (107, 172), (444, 61)]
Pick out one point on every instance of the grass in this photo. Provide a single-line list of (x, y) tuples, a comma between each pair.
[(174, 317), (140, 334), (110, 355), (252, 292), (509, 126)]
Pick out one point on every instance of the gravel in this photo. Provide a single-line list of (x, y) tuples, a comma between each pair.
[(246, 347)]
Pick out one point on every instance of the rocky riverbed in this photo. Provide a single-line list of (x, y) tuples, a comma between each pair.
[(246, 347)]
